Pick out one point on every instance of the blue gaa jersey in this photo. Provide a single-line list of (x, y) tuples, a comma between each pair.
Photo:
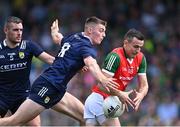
[(74, 48), (15, 65)]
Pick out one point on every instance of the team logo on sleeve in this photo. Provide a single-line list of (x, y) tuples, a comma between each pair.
[(21, 55), (46, 100)]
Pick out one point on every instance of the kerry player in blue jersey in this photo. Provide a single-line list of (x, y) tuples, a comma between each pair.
[(15, 64), (76, 51)]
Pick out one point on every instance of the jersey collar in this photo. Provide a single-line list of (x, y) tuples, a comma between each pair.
[(87, 37), (128, 59), (125, 53), (5, 43)]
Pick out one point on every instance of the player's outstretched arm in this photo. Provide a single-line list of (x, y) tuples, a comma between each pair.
[(56, 35), (94, 68), (47, 58), (141, 91)]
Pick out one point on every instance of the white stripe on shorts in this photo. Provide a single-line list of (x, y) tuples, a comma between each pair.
[(42, 91)]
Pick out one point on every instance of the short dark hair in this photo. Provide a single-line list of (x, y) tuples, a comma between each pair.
[(12, 19), (133, 33), (95, 20)]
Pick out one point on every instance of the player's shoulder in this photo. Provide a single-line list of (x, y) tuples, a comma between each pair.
[(77, 38), (140, 54), (28, 42), (24, 44), (3, 44)]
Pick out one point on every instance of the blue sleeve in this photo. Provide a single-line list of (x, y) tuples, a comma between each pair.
[(88, 50), (35, 48)]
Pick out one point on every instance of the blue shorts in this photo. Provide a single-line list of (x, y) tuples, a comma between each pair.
[(11, 102), (44, 93)]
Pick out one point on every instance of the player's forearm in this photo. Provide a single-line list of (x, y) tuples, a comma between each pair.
[(46, 58), (94, 68), (143, 85), (143, 90), (96, 71)]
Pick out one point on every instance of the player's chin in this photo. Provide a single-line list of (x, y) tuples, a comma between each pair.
[(18, 40), (99, 41), (133, 55)]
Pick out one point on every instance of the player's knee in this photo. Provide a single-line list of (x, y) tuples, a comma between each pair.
[(35, 122), (82, 122)]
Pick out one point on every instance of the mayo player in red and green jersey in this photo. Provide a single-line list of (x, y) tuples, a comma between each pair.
[(123, 64)]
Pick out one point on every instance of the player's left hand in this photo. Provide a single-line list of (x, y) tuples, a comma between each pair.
[(84, 69), (56, 36), (138, 98), (124, 97)]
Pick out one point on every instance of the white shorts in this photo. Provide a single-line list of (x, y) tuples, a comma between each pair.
[(93, 110)]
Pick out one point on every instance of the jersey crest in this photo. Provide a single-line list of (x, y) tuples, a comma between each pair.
[(21, 55)]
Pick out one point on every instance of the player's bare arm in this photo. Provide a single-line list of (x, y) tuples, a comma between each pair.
[(141, 91), (94, 68), (56, 35), (45, 57)]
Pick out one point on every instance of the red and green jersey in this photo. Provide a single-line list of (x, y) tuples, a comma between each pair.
[(122, 68)]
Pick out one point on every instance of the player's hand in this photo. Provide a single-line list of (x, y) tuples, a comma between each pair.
[(56, 36), (124, 97), (109, 83), (84, 69), (138, 97)]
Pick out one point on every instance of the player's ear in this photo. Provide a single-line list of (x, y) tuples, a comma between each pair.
[(5, 30), (89, 30), (125, 42)]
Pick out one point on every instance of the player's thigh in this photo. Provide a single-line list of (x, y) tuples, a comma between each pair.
[(93, 108), (4, 105), (111, 122), (91, 122), (17, 101), (35, 122), (70, 106), (26, 112)]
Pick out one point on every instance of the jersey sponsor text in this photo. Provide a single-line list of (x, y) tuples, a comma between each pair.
[(10, 67)]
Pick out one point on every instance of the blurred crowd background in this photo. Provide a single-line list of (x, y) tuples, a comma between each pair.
[(158, 20)]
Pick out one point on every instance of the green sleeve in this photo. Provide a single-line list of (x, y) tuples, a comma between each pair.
[(111, 63), (143, 66)]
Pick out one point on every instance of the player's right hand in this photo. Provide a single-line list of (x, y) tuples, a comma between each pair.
[(125, 98), (109, 83), (84, 69), (56, 35)]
